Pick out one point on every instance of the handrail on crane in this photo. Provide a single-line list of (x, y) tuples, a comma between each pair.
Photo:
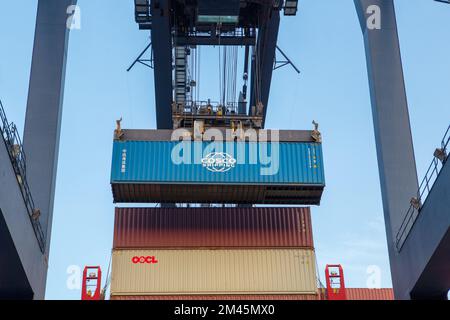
[(440, 158), (13, 143)]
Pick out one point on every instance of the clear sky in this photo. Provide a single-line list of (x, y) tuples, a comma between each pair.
[(324, 40)]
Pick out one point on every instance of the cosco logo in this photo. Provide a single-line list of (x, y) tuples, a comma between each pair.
[(218, 162), (144, 259)]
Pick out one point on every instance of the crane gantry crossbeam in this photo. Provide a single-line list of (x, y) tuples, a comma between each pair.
[(25, 266), (253, 24)]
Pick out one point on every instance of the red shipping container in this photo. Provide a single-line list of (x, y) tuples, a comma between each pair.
[(212, 227), (221, 297), (369, 294)]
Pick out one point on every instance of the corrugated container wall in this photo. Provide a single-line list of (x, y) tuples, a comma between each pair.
[(212, 227), (298, 163), (369, 294), (214, 272), (217, 172), (223, 297)]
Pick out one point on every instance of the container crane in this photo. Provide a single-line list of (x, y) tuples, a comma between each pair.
[(27, 269), (179, 27)]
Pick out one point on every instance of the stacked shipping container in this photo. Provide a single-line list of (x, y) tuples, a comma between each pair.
[(137, 228), (384, 294), (150, 166), (370, 294), (213, 253), (214, 271)]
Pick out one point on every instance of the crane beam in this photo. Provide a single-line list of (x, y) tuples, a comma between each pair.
[(44, 112), (162, 62), (262, 64), (396, 161)]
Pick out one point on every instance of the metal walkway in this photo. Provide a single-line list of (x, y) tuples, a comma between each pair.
[(423, 241), (432, 174), (13, 144), (21, 238)]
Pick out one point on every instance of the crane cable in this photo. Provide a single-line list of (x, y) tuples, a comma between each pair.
[(225, 78), (220, 64), (108, 278), (199, 72), (320, 285), (228, 56), (258, 51), (195, 61), (235, 70), (229, 75), (193, 71), (231, 96), (255, 53), (190, 71)]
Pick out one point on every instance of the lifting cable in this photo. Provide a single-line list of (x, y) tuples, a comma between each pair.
[(235, 68), (258, 53), (255, 53), (225, 78), (193, 74), (189, 63), (198, 71), (220, 65), (319, 281), (266, 36), (108, 277), (231, 78), (229, 56), (229, 75), (228, 65), (256, 73), (194, 71)]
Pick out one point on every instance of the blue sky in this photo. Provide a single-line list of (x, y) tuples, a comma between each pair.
[(325, 42)]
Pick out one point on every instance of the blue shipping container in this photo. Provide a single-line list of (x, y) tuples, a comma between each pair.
[(222, 172)]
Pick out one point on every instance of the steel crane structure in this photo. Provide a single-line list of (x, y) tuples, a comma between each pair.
[(419, 266), (179, 27), (23, 257)]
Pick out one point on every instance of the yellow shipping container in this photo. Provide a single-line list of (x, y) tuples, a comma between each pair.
[(223, 271)]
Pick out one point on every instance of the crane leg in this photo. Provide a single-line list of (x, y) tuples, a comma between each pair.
[(396, 161), (44, 110)]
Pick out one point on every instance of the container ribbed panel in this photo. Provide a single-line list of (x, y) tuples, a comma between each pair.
[(214, 272), (212, 227)]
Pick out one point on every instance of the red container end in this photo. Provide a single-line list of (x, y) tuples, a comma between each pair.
[(370, 294), (212, 227), (221, 297)]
